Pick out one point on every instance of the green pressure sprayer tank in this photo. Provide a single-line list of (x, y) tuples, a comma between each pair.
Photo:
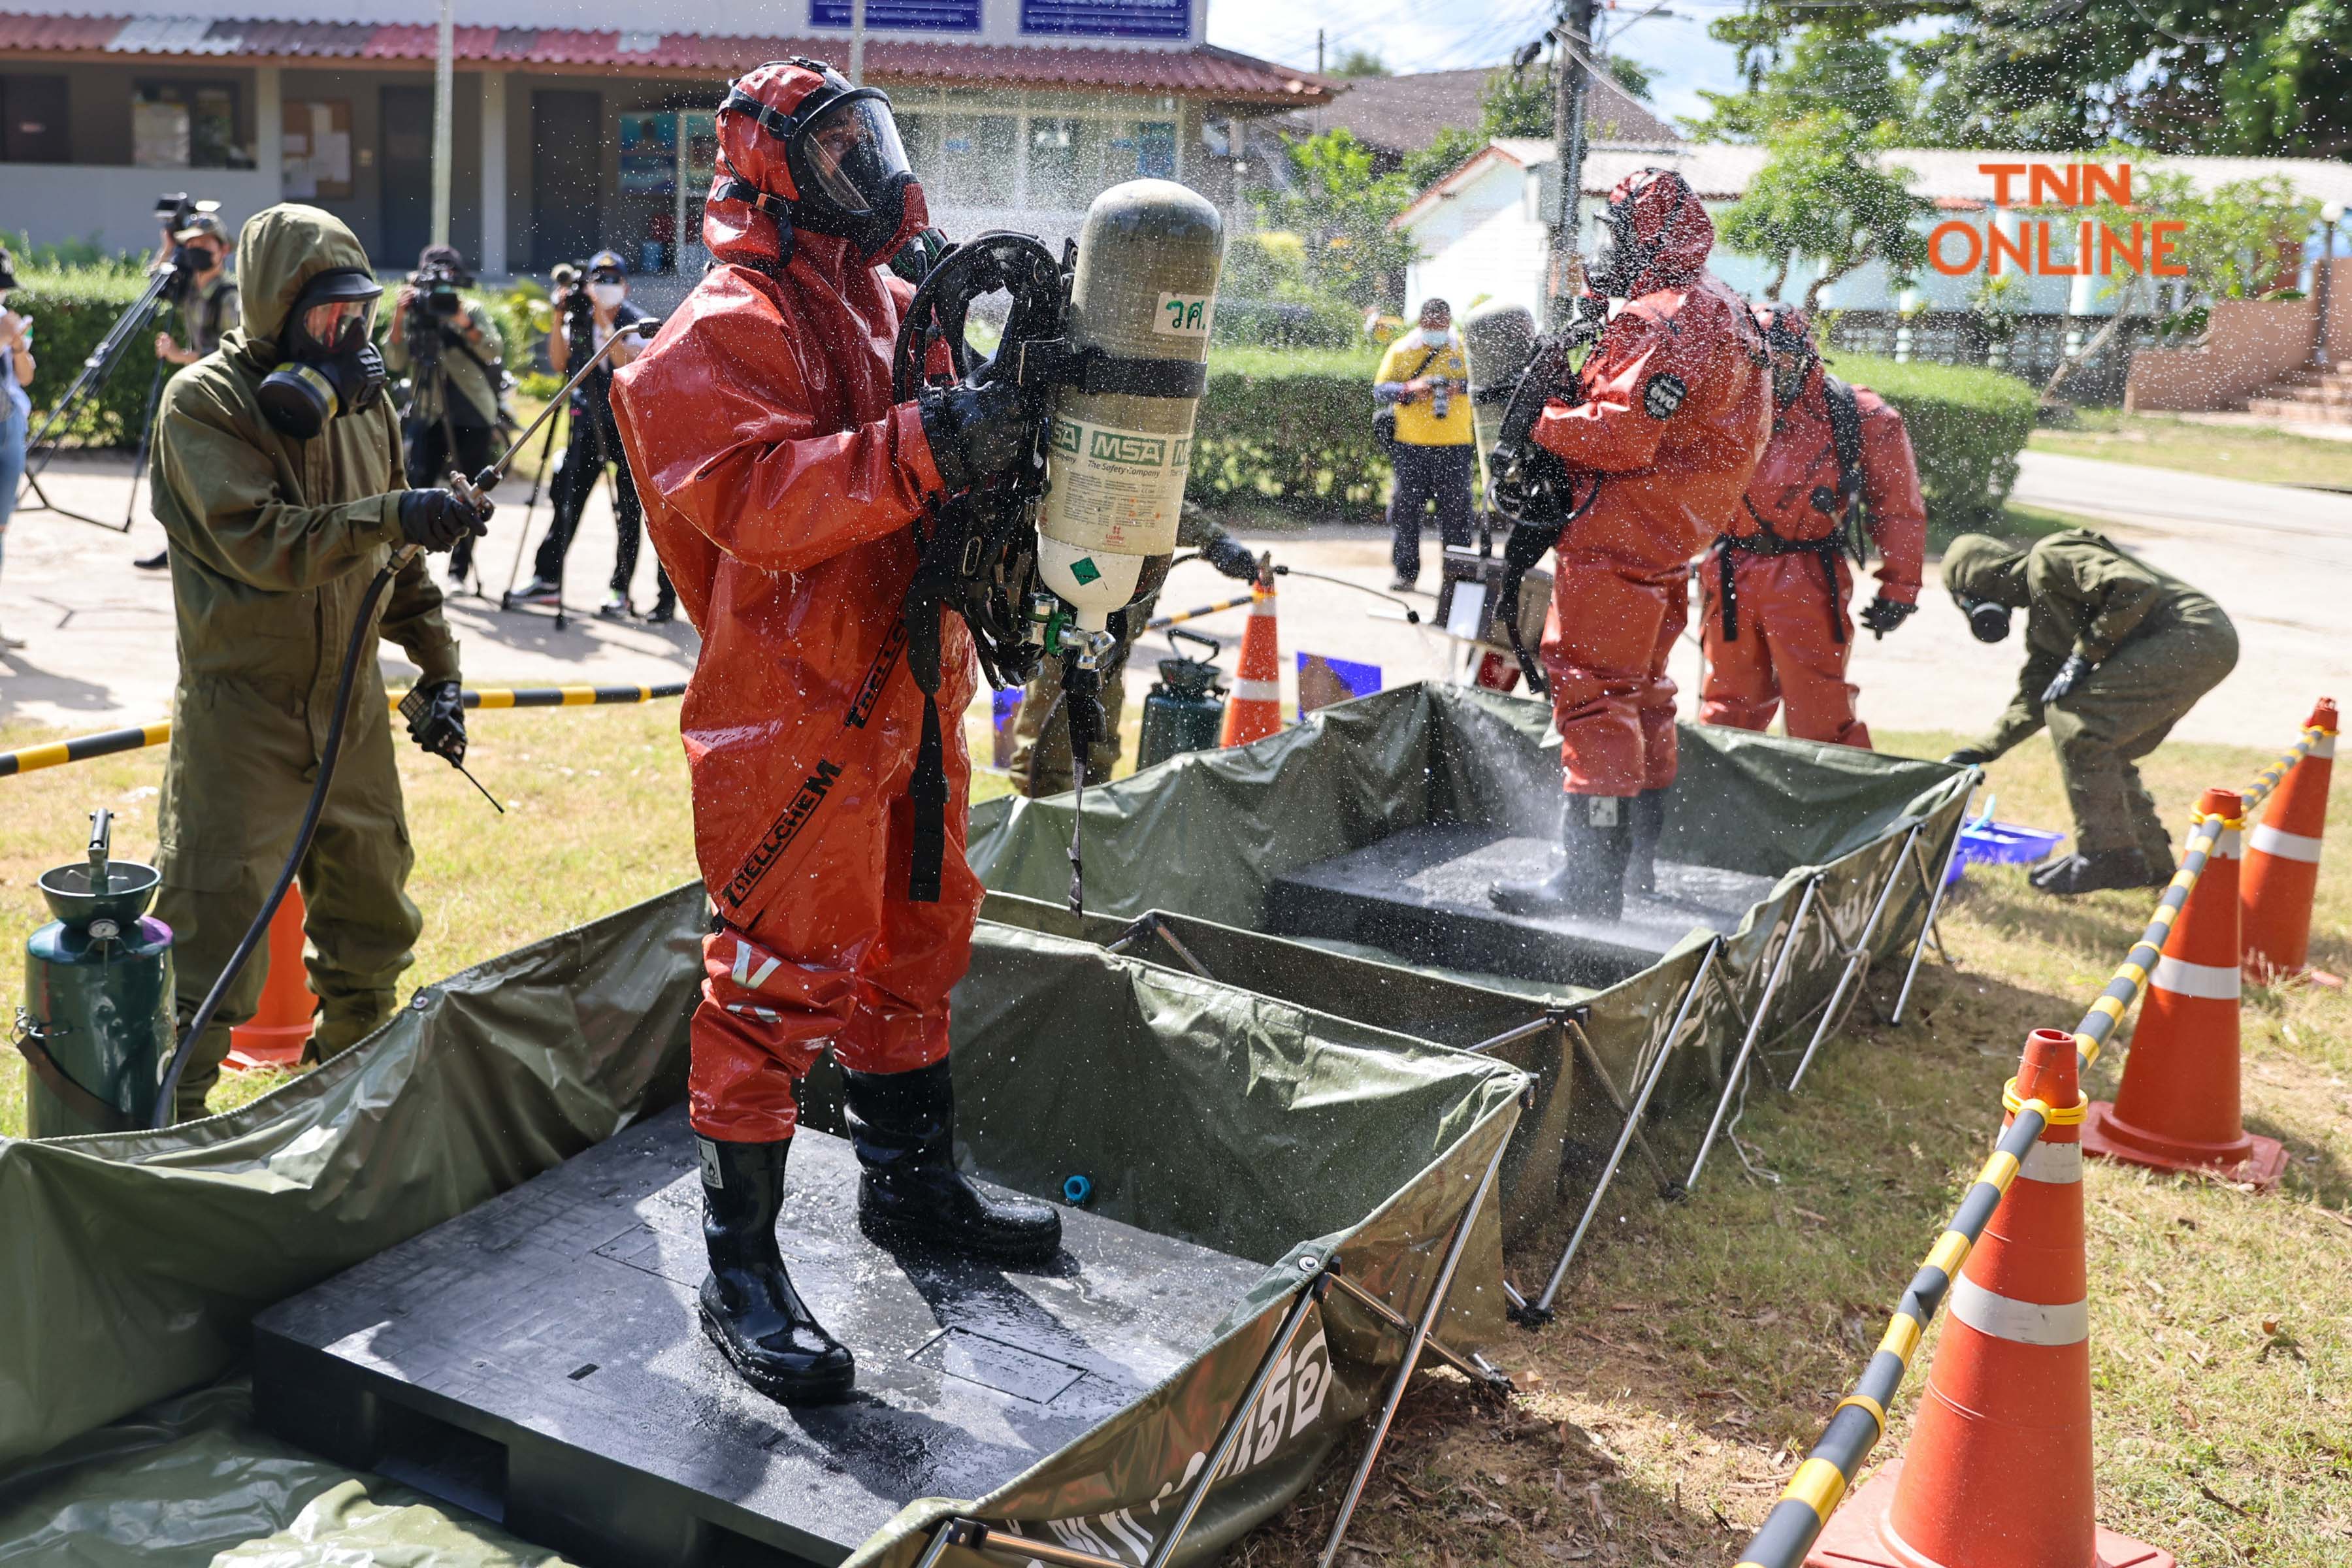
[(95, 1028), (1185, 708)]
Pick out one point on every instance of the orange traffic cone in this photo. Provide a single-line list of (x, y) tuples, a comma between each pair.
[(1254, 710), (2283, 859), (2177, 1108), (281, 1023), (1998, 1474)]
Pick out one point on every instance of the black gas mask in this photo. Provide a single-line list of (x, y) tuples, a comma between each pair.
[(331, 367), (1788, 343), (851, 170), (1616, 254), (1987, 621)]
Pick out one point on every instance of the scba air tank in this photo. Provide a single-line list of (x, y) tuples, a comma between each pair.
[(1499, 340), (1116, 459)]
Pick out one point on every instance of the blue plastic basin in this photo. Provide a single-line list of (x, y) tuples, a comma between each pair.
[(2001, 844)]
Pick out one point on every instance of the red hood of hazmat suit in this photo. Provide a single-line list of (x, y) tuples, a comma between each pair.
[(779, 482), (1675, 413)]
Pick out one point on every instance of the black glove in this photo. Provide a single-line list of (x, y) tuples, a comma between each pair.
[(1882, 615), (1232, 557), (436, 718), (438, 520), (1528, 545), (2070, 676), (978, 434), (1968, 757)]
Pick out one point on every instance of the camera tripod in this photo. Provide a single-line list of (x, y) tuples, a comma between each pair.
[(95, 370)]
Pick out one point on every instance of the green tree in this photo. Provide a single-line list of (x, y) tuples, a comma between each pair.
[(2249, 77), (1354, 65), (1822, 69), (1631, 74), (1340, 209), (1823, 194)]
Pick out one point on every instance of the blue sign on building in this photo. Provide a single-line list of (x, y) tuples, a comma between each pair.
[(925, 16), (1108, 19)]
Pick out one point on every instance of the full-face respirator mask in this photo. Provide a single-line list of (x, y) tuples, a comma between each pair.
[(331, 367), (1987, 621)]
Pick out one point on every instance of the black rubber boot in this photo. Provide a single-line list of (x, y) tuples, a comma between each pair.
[(1649, 814), (902, 1125), (1596, 837), (749, 1308), (2100, 869)]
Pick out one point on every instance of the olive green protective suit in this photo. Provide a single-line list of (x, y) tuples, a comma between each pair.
[(274, 540), (1040, 764), (2157, 644)]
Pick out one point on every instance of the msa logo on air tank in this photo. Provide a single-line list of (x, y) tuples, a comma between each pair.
[(1124, 447)]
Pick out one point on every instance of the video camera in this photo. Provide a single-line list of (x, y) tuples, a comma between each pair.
[(569, 283), (435, 302)]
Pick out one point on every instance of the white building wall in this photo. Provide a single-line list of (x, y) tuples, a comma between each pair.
[(1481, 246)]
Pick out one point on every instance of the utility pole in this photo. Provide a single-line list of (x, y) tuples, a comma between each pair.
[(1571, 46), (443, 112), (857, 43), (1318, 51)]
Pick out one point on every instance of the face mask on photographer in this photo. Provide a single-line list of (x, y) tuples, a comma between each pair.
[(331, 366), (608, 296)]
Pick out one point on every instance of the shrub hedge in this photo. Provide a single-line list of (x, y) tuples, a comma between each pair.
[(1295, 429), (71, 312), (1967, 425)]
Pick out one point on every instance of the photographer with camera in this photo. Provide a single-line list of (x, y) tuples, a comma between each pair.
[(196, 243), (447, 345), (585, 320), (206, 293)]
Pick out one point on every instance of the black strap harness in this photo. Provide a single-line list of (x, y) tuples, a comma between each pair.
[(1845, 511)]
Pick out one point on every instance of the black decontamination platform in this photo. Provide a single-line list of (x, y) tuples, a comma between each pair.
[(539, 1360), (1422, 894)]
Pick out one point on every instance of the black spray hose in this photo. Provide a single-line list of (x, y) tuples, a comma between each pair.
[(1412, 615), (362, 635)]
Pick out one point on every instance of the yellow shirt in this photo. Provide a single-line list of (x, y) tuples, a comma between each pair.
[(1416, 424)]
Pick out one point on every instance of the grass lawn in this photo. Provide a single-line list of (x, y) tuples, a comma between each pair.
[(2230, 451), (1698, 1347)]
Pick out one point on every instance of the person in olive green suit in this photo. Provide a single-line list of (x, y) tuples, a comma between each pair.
[(1041, 754), (275, 536), (2116, 652)]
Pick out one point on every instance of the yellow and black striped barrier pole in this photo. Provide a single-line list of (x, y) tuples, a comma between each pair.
[(1160, 622), (107, 742), (1820, 1484), (2092, 1034), (2271, 777)]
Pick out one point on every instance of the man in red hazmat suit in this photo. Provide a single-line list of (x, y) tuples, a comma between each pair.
[(1774, 621), (1668, 417), (779, 482)]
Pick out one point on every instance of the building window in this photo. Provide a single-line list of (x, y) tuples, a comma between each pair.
[(186, 125), (911, 15), (1108, 19), (315, 150), (970, 159), (33, 120), (1073, 158)]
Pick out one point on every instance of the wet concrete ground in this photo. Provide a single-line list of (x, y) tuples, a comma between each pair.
[(2278, 559)]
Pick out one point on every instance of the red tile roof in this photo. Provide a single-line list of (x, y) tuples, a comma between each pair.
[(1198, 72)]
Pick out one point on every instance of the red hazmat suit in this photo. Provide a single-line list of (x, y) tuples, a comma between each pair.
[(1675, 411), (779, 481), (1792, 637)]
